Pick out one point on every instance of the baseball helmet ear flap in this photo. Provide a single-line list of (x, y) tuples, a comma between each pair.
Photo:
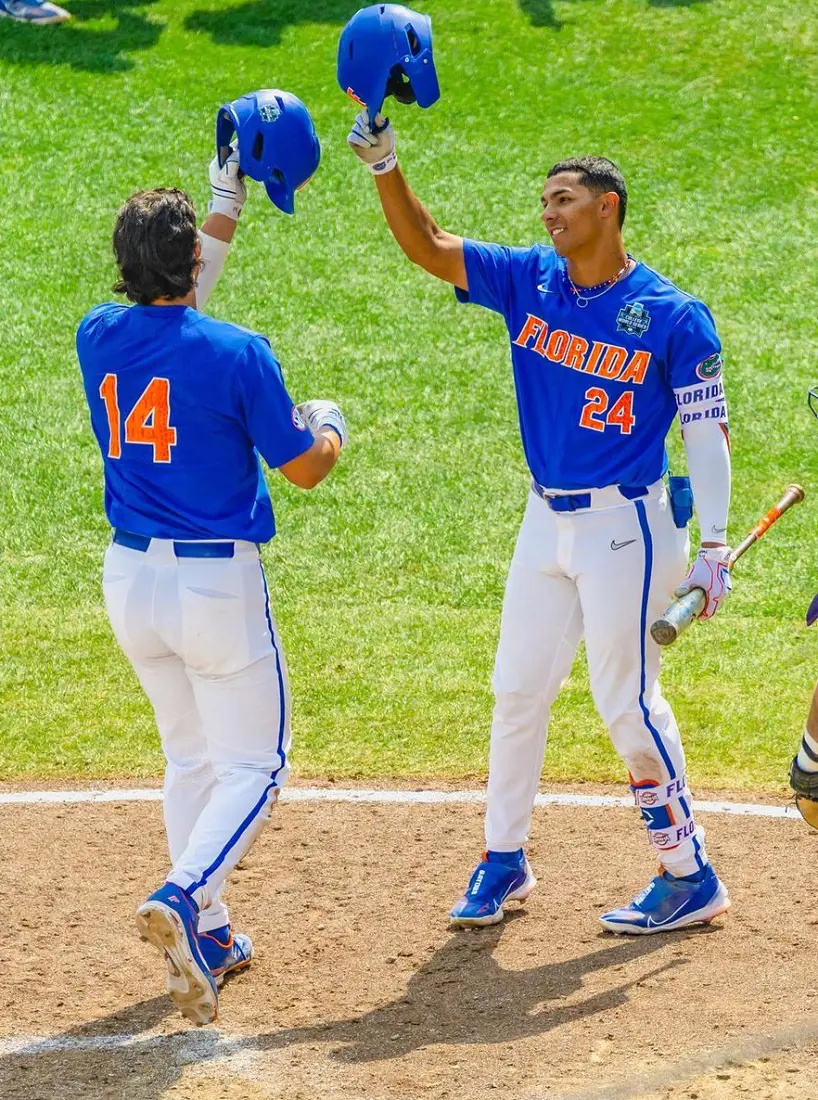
[(226, 126), (386, 49), (277, 142)]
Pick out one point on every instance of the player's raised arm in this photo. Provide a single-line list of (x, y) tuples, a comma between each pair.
[(218, 228), (421, 238)]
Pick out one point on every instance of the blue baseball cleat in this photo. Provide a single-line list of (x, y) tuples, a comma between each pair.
[(168, 921), (500, 877), (225, 951), (38, 12), (669, 903)]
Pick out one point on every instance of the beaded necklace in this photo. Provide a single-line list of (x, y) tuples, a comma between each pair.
[(582, 295)]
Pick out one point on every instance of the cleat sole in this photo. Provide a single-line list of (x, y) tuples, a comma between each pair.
[(188, 985)]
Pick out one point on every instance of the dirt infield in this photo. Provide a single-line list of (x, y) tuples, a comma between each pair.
[(360, 990)]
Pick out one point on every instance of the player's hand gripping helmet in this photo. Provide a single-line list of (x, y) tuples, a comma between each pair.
[(386, 49), (278, 145)]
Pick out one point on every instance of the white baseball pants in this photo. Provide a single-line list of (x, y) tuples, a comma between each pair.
[(605, 572), (202, 640)]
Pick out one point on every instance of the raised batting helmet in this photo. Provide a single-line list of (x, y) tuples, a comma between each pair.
[(278, 145), (384, 50)]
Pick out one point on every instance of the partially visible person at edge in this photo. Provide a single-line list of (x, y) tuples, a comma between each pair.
[(182, 406), (37, 12), (804, 767), (605, 353)]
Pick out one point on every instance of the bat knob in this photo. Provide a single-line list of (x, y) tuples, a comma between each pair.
[(664, 632)]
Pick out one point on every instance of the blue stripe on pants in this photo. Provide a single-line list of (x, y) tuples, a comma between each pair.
[(643, 629), (282, 725)]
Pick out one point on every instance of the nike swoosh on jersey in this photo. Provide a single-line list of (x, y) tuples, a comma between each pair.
[(544, 289), (618, 545)]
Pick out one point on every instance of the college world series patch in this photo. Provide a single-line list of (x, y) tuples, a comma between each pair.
[(633, 319), (269, 112)]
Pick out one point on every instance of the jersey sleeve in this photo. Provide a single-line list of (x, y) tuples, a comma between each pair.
[(694, 366), (272, 421), (490, 272)]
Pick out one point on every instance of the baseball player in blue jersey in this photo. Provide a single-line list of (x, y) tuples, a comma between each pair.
[(182, 406), (605, 353)]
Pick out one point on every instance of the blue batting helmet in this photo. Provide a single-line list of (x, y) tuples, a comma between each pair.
[(278, 145), (384, 50)]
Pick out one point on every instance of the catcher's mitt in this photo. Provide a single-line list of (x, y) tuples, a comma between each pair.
[(805, 785)]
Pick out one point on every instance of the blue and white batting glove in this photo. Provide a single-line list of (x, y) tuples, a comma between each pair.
[(374, 145), (324, 414), (710, 571), (227, 185)]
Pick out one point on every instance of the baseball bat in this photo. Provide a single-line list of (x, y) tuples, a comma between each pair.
[(681, 613)]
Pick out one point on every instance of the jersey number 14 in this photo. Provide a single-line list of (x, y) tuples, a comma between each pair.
[(148, 422)]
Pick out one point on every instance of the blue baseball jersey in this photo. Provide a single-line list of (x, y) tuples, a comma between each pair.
[(182, 406), (597, 386)]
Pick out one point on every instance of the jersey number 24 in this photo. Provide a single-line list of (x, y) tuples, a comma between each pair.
[(148, 421), (597, 416)]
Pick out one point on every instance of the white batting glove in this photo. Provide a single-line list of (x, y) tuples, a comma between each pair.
[(375, 146), (227, 185), (324, 414), (711, 572)]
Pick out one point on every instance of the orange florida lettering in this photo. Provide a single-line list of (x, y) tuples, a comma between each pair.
[(575, 355), (533, 327), (637, 368), (612, 362), (608, 361), (557, 343)]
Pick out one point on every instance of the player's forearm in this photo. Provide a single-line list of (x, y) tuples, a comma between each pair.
[(311, 467), (211, 261), (220, 227), (812, 718), (418, 234), (708, 463)]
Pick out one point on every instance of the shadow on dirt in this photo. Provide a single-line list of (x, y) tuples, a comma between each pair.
[(461, 995), (89, 49)]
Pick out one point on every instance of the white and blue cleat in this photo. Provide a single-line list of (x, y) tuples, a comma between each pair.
[(36, 12), (498, 878), (668, 903), (225, 951), (168, 921)]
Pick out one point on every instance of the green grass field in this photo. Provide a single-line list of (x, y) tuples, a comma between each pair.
[(388, 579)]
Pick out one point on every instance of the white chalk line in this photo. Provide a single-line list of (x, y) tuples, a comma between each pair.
[(239, 1053), (331, 794)]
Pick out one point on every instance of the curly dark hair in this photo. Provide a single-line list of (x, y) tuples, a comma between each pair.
[(154, 244), (599, 175)]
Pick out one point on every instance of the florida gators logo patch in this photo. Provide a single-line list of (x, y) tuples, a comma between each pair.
[(710, 367)]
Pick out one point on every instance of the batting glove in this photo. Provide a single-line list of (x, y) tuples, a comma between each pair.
[(710, 572), (375, 146), (324, 414), (227, 185)]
